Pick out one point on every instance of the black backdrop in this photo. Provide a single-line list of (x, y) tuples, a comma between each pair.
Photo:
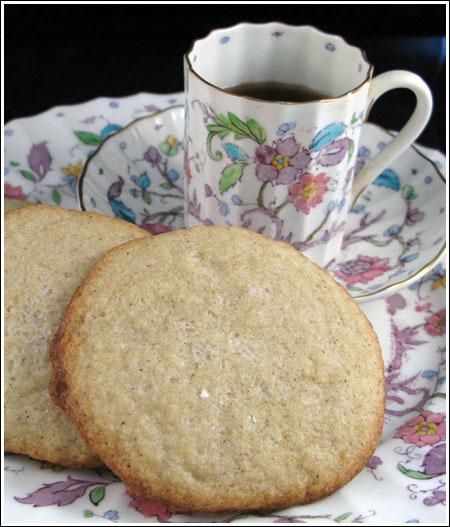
[(64, 54)]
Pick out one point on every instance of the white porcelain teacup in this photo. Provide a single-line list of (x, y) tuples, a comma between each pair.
[(285, 169)]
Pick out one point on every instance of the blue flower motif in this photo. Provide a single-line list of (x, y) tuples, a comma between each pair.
[(111, 515), (72, 182), (236, 200), (392, 231), (9, 132), (134, 179), (413, 520), (429, 374), (109, 129), (428, 180), (277, 34), (439, 270), (173, 175), (415, 285), (93, 203), (286, 127), (329, 46), (172, 100), (122, 146), (381, 145), (144, 181), (410, 257), (441, 380), (363, 152), (114, 104), (441, 210), (6, 171), (134, 192), (414, 171), (224, 209), (60, 114), (341, 204), (331, 206), (224, 40), (357, 209)]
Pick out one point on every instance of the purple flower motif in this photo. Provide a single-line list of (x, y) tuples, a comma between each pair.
[(374, 462), (58, 493), (414, 216), (208, 191), (329, 46), (152, 155), (434, 461), (283, 164), (359, 165), (437, 498), (39, 159), (334, 152), (115, 189)]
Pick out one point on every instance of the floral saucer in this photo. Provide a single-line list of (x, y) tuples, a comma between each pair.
[(395, 230), (404, 481)]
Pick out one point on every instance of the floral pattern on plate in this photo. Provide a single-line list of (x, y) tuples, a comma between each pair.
[(406, 474), (147, 184)]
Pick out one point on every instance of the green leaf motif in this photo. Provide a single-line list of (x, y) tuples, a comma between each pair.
[(354, 118), (56, 197), (342, 517), (439, 394), (217, 129), (88, 138), (14, 163), (166, 186), (257, 131), (147, 197), (230, 176), (167, 149), (55, 468), (96, 495), (88, 514), (409, 193), (415, 474), (237, 124), (351, 149), (28, 175)]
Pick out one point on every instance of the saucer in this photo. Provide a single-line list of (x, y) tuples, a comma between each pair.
[(404, 481), (395, 230)]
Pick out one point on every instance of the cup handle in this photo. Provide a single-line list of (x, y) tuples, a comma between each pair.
[(407, 135)]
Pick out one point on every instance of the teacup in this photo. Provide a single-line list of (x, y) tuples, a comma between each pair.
[(285, 169)]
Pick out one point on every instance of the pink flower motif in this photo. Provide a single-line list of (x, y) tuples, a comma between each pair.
[(187, 168), (14, 192), (283, 164), (155, 228), (149, 508), (363, 269), (435, 325), (428, 428), (308, 191)]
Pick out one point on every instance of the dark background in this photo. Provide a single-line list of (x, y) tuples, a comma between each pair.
[(67, 54)]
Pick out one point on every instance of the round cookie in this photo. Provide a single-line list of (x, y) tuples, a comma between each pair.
[(48, 252), (216, 369)]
